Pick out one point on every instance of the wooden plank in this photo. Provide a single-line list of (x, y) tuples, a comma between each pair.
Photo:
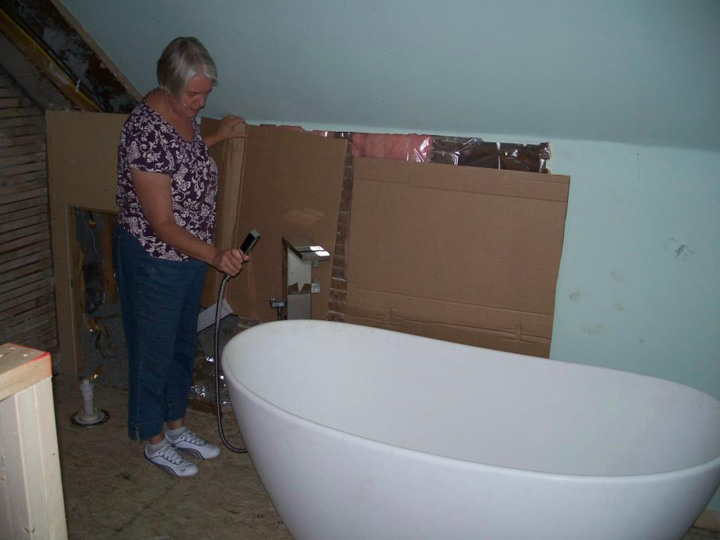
[(20, 178), (10, 92), (25, 241), (27, 333), (22, 233), (23, 307), (21, 159), (39, 337), (20, 169), (44, 340), (6, 191), (23, 196), (22, 223), (18, 311), (22, 150), (39, 259), (33, 275), (41, 322), (46, 65), (15, 102), (38, 311), (9, 217), (44, 284), (14, 112), (37, 249), (7, 140), (33, 219), (20, 131), (15, 209), (32, 490), (37, 121), (20, 368)]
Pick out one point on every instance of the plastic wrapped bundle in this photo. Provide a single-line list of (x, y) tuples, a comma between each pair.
[(410, 147), (475, 152)]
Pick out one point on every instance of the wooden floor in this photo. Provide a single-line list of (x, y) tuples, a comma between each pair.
[(112, 493)]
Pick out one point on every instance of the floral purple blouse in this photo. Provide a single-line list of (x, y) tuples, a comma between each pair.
[(150, 143)]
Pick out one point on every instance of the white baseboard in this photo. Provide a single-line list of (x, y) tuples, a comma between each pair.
[(709, 519)]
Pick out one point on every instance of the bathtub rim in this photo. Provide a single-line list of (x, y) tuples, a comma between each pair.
[(706, 465), (700, 468)]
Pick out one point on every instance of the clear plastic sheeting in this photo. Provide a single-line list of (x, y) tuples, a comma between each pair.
[(410, 147), (475, 152), (203, 388), (462, 151)]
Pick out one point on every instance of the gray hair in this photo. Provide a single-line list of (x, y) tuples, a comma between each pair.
[(181, 60)]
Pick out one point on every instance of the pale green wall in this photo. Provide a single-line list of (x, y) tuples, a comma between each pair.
[(638, 284), (638, 287)]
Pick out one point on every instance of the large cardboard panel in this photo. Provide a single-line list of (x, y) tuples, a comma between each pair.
[(82, 173), (457, 253), (229, 156), (291, 186)]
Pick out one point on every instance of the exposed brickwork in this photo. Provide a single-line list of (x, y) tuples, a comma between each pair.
[(338, 287)]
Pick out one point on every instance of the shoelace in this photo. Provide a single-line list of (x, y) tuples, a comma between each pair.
[(171, 455), (192, 438)]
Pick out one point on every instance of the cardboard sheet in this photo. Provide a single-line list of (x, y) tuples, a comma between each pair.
[(82, 173), (458, 253), (291, 185), (228, 156)]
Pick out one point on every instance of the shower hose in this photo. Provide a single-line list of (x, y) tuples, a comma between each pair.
[(218, 370)]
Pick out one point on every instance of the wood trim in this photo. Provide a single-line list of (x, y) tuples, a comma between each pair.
[(20, 368), (31, 496)]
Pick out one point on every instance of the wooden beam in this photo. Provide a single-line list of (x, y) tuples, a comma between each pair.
[(31, 499), (25, 43)]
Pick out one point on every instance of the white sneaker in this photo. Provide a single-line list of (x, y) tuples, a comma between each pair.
[(195, 445), (168, 459)]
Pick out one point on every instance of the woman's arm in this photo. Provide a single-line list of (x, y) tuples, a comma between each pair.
[(153, 192), (226, 130)]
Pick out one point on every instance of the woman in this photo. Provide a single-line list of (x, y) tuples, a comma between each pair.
[(166, 192)]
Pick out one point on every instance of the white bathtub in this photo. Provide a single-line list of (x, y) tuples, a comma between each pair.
[(359, 433)]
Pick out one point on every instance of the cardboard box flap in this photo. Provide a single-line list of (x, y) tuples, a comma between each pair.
[(502, 183)]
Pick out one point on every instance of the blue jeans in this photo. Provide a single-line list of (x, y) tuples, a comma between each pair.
[(160, 301)]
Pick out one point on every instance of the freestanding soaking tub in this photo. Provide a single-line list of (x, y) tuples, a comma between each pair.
[(360, 433)]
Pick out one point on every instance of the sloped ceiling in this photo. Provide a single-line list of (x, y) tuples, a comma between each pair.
[(640, 71)]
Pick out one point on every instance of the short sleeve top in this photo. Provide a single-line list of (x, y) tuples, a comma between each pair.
[(150, 143)]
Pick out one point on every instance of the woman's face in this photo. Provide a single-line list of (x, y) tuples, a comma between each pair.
[(195, 95)]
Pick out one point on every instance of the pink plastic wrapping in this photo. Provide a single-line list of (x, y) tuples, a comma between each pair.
[(472, 152), (403, 147)]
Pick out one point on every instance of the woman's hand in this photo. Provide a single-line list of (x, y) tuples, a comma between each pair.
[(226, 130), (230, 261)]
